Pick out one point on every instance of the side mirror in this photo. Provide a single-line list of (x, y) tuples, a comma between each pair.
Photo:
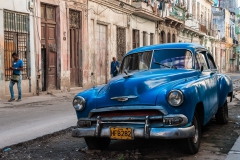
[(201, 69)]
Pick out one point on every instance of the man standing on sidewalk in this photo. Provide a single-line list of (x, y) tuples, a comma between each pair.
[(114, 67), (17, 67)]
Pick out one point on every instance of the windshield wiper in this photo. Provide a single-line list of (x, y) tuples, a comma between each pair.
[(127, 74), (165, 65)]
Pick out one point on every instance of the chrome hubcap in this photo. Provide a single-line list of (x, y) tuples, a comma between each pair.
[(195, 136)]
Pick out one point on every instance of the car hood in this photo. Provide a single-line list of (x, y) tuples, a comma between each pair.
[(142, 87)]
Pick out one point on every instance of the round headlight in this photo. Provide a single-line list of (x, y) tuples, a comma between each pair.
[(175, 98), (79, 103)]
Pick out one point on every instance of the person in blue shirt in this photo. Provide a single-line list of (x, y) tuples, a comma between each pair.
[(114, 67), (17, 67)]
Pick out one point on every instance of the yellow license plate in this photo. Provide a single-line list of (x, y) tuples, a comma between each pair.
[(121, 133)]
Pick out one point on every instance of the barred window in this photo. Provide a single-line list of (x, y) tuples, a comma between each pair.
[(15, 40)]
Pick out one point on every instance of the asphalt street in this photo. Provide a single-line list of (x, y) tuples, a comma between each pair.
[(34, 117), (23, 122)]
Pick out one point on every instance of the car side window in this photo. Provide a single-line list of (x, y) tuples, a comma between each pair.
[(201, 61), (211, 62)]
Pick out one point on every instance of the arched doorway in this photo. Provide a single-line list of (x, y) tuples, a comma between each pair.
[(162, 37), (168, 38), (173, 38)]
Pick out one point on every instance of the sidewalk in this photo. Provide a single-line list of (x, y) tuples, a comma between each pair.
[(234, 153), (44, 96), (35, 117)]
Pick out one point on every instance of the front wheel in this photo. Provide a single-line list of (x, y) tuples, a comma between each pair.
[(97, 143), (192, 145), (222, 114)]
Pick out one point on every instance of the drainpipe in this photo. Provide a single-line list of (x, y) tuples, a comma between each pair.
[(34, 30), (29, 58)]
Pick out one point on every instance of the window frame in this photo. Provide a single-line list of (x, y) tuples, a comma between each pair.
[(205, 57), (211, 57)]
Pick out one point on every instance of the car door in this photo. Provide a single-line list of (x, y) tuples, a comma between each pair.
[(207, 87), (214, 80)]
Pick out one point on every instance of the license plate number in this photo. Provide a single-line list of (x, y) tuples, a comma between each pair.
[(121, 133)]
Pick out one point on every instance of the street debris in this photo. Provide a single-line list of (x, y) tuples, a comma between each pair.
[(7, 149)]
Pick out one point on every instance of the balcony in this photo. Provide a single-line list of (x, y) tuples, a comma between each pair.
[(145, 11), (178, 13)]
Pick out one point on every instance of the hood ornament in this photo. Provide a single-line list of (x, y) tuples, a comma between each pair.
[(123, 98)]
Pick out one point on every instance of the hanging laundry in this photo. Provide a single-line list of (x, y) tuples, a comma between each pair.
[(161, 6), (152, 3)]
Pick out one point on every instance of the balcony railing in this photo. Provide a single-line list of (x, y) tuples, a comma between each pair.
[(145, 10), (178, 13)]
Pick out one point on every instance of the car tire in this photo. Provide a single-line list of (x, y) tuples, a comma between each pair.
[(192, 145), (222, 114), (97, 143)]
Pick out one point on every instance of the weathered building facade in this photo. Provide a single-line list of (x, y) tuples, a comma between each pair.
[(222, 18), (61, 44), (17, 35), (70, 43)]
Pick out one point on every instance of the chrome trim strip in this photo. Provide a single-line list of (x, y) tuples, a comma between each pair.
[(125, 108), (123, 98), (122, 122), (162, 133), (125, 118)]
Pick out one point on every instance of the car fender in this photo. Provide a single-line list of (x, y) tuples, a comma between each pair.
[(194, 91), (90, 98), (225, 87)]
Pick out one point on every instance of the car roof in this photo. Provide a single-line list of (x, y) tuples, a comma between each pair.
[(190, 46)]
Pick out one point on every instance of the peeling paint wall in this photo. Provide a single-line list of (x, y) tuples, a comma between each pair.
[(144, 25), (100, 14)]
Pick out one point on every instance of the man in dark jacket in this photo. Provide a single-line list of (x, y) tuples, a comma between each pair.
[(114, 67)]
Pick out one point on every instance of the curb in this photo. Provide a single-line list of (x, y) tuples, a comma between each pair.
[(47, 136), (234, 153)]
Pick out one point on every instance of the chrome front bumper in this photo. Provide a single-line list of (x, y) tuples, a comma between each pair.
[(172, 131), (162, 133)]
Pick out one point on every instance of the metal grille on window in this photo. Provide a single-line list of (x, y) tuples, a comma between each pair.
[(121, 43), (15, 40)]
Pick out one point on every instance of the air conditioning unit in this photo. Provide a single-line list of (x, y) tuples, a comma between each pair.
[(31, 4)]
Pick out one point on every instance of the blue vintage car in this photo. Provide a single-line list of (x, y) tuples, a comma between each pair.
[(166, 91)]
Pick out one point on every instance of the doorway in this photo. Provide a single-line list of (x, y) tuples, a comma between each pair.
[(48, 40), (75, 47), (101, 60)]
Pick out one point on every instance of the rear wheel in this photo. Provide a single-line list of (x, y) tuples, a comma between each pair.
[(222, 114), (192, 145), (97, 143)]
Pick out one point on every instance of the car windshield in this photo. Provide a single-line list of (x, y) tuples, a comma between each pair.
[(172, 58), (137, 61), (167, 58)]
